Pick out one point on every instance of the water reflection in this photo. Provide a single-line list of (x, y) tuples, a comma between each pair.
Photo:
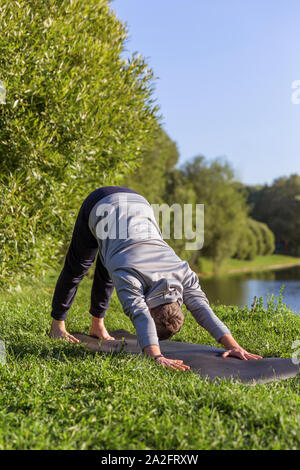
[(241, 289)]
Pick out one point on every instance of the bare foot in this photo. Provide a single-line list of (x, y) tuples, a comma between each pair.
[(58, 331), (101, 333), (98, 329)]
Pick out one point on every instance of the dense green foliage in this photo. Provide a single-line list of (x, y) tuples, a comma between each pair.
[(225, 207), (255, 239), (278, 205), (76, 117), (155, 166), (56, 395)]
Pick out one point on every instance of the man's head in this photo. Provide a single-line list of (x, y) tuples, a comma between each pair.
[(168, 319)]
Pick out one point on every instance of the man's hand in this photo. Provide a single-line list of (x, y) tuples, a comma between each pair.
[(241, 354), (175, 364), (153, 350), (58, 331), (235, 350)]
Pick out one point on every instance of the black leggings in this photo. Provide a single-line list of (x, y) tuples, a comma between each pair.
[(80, 257)]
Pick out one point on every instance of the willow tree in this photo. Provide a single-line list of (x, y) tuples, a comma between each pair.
[(224, 206)]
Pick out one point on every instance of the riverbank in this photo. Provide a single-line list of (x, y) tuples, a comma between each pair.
[(260, 263), (57, 395)]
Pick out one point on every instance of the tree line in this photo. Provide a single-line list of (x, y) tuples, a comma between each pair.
[(278, 205)]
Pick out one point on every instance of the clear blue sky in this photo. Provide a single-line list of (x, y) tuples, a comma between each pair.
[(225, 70)]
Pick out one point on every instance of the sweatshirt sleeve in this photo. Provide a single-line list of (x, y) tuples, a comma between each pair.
[(130, 293), (197, 303)]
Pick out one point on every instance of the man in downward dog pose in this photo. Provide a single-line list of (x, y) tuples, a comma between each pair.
[(151, 281)]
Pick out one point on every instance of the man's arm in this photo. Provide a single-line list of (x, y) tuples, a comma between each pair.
[(197, 303), (235, 350), (130, 293)]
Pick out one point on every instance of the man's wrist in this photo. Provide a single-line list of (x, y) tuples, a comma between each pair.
[(229, 342), (152, 350), (157, 357)]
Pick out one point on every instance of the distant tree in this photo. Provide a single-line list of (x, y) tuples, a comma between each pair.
[(278, 206), (259, 238), (255, 239), (156, 163), (268, 239), (253, 194), (179, 190), (225, 206), (247, 244)]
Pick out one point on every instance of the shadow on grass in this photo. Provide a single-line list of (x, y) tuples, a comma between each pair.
[(50, 349), (57, 350)]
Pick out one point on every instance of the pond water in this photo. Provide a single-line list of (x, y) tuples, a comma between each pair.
[(241, 289)]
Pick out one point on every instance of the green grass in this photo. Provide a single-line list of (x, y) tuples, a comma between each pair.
[(56, 395), (258, 262)]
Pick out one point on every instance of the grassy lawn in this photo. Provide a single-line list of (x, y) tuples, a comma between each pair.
[(258, 262), (56, 395)]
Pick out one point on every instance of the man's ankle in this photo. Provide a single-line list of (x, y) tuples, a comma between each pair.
[(97, 322), (58, 323)]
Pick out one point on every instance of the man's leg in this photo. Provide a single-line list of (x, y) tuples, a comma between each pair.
[(102, 290), (80, 257)]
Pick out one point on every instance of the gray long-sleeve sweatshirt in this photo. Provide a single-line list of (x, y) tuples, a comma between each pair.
[(145, 270)]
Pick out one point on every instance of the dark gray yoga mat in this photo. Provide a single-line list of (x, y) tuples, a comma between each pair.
[(203, 360)]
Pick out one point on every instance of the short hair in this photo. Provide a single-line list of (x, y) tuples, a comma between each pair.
[(168, 319)]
